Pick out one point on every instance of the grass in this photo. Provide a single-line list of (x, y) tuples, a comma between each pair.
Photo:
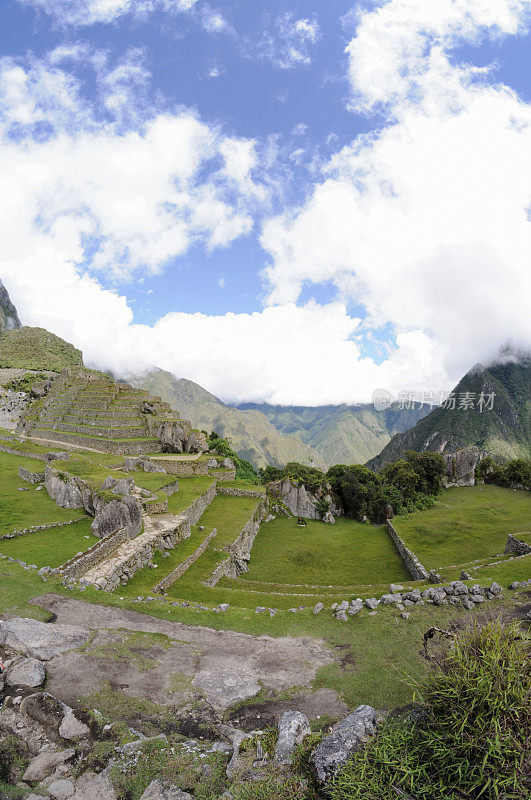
[(473, 738), (465, 524), (23, 509), (189, 490), (346, 553), (36, 348), (145, 579), (136, 648), (228, 515), (52, 547)]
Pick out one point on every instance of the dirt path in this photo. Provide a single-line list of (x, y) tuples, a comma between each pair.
[(225, 665)]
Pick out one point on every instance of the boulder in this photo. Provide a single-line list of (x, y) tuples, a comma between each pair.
[(228, 463), (371, 603), (318, 607), (41, 640), (300, 501), (44, 764), (72, 728), (175, 437), (460, 467), (61, 789), (95, 787), (160, 791), (346, 737), (292, 728), (29, 672), (223, 689), (355, 607), (122, 487), (117, 515), (63, 489)]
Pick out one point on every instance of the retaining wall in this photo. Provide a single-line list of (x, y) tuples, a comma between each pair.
[(30, 477), (230, 492), (100, 445), (516, 547), (179, 571), (77, 566), (240, 549), (195, 510), (417, 571)]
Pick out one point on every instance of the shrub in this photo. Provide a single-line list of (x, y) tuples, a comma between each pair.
[(514, 473), (473, 739), (244, 469)]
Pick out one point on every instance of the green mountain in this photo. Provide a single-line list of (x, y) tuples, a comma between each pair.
[(37, 349), (8, 313), (251, 433), (341, 434), (502, 431)]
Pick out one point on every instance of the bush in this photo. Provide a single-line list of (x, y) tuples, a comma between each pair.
[(473, 739), (513, 473), (244, 469)]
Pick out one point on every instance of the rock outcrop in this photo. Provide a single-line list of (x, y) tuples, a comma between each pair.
[(38, 640), (8, 313), (303, 503), (175, 437), (461, 466), (293, 727)]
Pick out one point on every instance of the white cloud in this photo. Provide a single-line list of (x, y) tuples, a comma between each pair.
[(213, 21), (425, 221), (79, 13), (132, 197), (289, 44)]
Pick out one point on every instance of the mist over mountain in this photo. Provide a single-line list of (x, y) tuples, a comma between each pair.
[(490, 407)]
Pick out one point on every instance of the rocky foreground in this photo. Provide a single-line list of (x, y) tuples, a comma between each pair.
[(55, 750)]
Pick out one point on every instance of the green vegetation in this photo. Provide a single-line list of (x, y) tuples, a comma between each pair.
[(473, 737), (51, 547), (37, 349), (244, 470), (502, 430), (514, 474), (23, 509), (189, 490), (170, 762), (343, 554), (465, 525)]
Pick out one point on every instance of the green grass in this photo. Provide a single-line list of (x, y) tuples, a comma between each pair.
[(50, 548), (145, 579), (255, 487), (189, 490), (344, 554), (37, 349), (228, 515), (465, 524), (19, 510)]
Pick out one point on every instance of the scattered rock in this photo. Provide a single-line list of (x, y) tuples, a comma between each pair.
[(29, 672), (318, 608), (44, 764), (72, 728), (158, 791), (346, 737), (292, 728), (372, 604), (95, 787), (61, 789), (223, 689)]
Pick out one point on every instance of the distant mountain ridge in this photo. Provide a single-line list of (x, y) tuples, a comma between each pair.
[(502, 431), (251, 433), (342, 434)]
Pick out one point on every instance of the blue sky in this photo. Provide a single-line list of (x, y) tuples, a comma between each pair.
[(330, 98)]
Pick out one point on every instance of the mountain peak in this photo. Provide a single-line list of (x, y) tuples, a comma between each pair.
[(9, 320)]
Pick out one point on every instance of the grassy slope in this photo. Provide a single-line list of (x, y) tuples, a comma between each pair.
[(20, 510), (251, 433), (346, 553), (36, 348), (374, 655), (52, 547), (465, 524)]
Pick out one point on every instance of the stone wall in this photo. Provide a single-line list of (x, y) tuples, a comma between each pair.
[(30, 477), (77, 566), (101, 445), (184, 469), (223, 474), (37, 528), (179, 571), (516, 547), (240, 549), (11, 451), (231, 492), (195, 510), (417, 571)]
